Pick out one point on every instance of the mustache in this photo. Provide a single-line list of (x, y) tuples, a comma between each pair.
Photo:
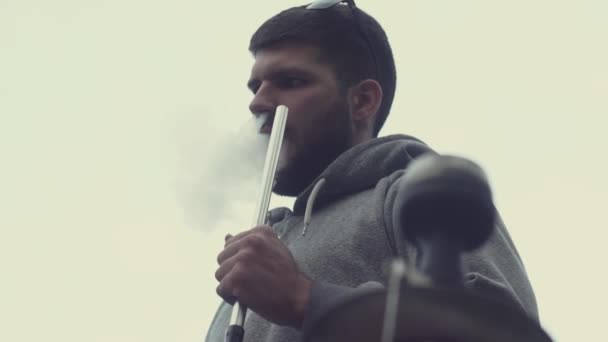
[(267, 119)]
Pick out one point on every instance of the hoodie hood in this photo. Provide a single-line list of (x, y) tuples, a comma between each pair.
[(360, 168)]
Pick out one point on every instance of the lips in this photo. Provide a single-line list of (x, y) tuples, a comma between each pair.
[(266, 129), (267, 126)]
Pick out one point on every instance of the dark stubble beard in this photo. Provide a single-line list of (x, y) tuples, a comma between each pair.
[(332, 138)]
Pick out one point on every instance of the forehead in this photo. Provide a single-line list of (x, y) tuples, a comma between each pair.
[(292, 56)]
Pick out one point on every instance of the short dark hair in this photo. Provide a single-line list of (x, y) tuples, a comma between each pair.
[(333, 30)]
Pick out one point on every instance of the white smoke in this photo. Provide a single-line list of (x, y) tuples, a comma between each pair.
[(220, 175)]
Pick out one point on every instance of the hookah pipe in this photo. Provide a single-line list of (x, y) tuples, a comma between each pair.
[(235, 330), (444, 207)]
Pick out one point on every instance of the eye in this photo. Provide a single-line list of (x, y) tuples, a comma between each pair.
[(291, 82)]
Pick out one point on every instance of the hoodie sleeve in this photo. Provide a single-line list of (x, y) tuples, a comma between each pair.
[(495, 269), (325, 296)]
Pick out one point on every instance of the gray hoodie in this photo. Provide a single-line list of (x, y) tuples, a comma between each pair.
[(341, 235)]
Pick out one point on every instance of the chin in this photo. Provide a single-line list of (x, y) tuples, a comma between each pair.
[(285, 155), (291, 175)]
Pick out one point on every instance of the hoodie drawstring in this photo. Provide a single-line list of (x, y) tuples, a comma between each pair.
[(310, 203)]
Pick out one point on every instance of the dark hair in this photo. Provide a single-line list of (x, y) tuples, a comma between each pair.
[(334, 31)]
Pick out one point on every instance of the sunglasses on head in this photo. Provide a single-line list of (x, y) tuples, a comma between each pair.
[(324, 4)]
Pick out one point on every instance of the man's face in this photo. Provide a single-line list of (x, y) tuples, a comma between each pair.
[(318, 126)]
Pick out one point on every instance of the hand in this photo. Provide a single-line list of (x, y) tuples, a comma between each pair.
[(258, 270)]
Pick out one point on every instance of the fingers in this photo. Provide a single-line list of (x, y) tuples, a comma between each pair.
[(229, 238), (241, 257), (254, 238), (229, 250), (225, 289), (263, 229), (247, 245), (226, 286), (238, 259), (235, 282)]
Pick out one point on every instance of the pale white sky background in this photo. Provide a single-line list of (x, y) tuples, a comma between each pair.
[(104, 104)]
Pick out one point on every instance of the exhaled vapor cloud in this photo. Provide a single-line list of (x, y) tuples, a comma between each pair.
[(220, 176)]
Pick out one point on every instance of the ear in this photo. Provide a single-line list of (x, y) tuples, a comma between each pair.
[(365, 99)]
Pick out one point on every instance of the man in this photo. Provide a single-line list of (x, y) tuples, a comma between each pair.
[(333, 68)]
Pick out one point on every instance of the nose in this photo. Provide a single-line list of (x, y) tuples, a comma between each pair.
[(263, 101)]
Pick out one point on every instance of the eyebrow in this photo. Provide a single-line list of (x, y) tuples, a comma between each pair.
[(281, 71)]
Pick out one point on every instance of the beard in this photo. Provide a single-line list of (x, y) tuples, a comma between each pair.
[(331, 137)]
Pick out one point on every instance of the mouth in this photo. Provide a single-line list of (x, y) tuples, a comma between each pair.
[(267, 126)]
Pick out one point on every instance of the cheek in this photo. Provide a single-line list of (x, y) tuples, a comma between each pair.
[(286, 154)]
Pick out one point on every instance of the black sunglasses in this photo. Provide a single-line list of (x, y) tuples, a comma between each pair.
[(324, 4)]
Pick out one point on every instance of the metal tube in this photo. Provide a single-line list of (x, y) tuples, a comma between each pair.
[(235, 331), (398, 272)]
